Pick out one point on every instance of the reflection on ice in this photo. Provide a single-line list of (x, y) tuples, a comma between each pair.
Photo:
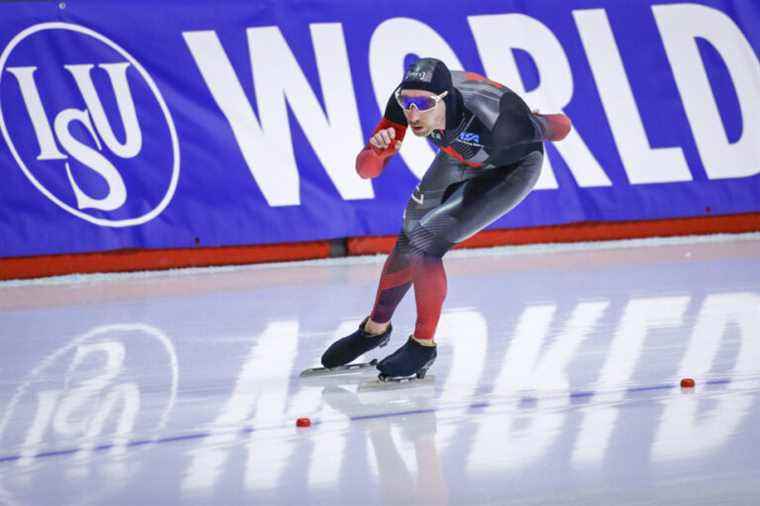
[(549, 370), (687, 428), (257, 396), (640, 316), (405, 456), (79, 397), (533, 362), (463, 335)]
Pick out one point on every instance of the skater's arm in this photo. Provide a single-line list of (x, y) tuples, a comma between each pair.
[(518, 125), (555, 127), (384, 142)]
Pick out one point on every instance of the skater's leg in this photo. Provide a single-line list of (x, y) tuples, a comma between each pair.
[(394, 283), (412, 262), (468, 207), (427, 248), (375, 330), (429, 280)]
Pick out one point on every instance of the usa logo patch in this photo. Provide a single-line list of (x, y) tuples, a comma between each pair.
[(469, 137)]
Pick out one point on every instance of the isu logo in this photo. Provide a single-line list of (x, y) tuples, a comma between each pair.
[(70, 119), (86, 396)]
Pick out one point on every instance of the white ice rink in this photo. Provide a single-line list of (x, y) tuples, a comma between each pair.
[(556, 383)]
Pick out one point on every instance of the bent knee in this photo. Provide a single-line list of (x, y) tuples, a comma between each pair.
[(423, 241)]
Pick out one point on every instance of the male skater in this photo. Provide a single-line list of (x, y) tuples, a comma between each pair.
[(490, 158)]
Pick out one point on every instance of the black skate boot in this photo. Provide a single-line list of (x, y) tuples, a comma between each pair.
[(412, 359), (347, 349)]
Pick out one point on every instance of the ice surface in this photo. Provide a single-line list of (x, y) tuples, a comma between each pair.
[(556, 383)]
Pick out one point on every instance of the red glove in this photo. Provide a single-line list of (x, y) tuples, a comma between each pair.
[(556, 126), (371, 161)]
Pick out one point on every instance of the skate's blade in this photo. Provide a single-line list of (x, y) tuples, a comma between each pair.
[(341, 369), (396, 383)]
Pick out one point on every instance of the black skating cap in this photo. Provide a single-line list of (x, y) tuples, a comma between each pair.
[(427, 74)]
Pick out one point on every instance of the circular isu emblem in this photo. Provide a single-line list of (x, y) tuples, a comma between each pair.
[(87, 125)]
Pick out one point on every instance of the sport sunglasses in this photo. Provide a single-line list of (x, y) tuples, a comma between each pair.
[(422, 104)]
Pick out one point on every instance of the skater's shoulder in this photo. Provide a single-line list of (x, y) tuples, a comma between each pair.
[(480, 95)]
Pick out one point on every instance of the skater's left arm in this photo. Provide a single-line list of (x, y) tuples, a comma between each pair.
[(516, 124)]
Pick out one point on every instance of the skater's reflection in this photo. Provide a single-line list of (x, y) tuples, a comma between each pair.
[(396, 480)]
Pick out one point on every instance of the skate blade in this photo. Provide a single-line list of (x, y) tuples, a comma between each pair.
[(335, 371), (396, 383)]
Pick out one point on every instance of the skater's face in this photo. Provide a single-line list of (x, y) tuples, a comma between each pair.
[(423, 120)]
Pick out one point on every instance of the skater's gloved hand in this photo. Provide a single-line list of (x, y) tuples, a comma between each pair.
[(384, 143), (384, 139), (555, 126)]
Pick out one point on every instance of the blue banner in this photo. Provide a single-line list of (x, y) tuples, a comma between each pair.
[(183, 124)]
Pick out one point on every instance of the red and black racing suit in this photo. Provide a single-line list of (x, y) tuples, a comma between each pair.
[(488, 162)]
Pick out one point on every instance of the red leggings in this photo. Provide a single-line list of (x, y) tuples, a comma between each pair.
[(451, 203), (402, 269)]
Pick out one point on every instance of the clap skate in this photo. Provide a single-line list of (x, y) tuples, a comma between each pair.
[(337, 370), (408, 363), (337, 358)]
